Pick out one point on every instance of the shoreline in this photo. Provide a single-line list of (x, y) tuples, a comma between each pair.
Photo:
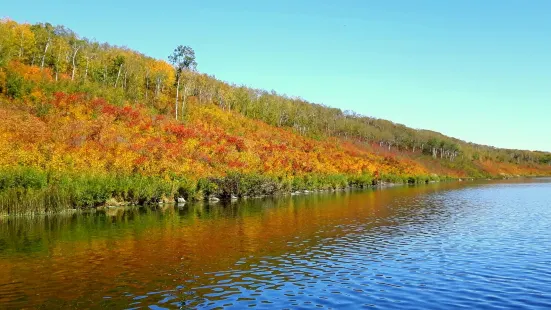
[(123, 205), (28, 190)]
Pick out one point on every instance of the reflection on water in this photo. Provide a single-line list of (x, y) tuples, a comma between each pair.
[(440, 245)]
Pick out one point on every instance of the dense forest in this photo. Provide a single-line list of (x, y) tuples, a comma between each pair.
[(73, 107)]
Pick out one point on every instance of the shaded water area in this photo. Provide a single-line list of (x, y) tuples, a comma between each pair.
[(449, 245)]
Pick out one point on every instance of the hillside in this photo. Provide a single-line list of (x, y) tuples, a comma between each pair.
[(83, 124)]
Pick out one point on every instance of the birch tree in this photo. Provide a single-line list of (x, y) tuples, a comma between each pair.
[(183, 59)]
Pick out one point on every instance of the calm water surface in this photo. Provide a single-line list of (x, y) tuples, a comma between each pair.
[(455, 245)]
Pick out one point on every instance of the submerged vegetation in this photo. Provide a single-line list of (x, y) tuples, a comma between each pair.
[(84, 124)]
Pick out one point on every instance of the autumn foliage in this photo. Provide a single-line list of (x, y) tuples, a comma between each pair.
[(90, 135)]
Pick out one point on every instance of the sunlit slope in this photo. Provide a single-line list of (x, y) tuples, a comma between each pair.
[(57, 131), (75, 133)]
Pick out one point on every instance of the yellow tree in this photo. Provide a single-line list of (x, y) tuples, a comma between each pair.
[(24, 40), (61, 54), (161, 75), (8, 45)]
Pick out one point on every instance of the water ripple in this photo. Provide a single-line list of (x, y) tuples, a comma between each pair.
[(459, 249), (483, 246)]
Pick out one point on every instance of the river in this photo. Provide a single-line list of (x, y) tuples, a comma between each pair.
[(484, 245)]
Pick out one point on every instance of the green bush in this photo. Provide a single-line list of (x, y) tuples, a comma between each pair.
[(362, 181), (27, 190), (23, 178), (16, 86), (238, 184)]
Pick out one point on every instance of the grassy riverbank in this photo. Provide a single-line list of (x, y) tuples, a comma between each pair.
[(27, 190)]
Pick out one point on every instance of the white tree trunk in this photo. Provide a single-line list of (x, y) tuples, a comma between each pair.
[(86, 71), (44, 55), (177, 93), (74, 65), (21, 45), (118, 76), (146, 84)]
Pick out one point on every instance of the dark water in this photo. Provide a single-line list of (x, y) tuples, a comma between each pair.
[(455, 245)]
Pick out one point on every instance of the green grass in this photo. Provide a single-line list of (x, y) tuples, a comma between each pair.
[(32, 191)]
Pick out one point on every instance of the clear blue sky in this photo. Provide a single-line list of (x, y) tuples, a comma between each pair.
[(479, 70)]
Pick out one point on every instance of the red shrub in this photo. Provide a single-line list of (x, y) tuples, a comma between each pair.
[(181, 131)]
